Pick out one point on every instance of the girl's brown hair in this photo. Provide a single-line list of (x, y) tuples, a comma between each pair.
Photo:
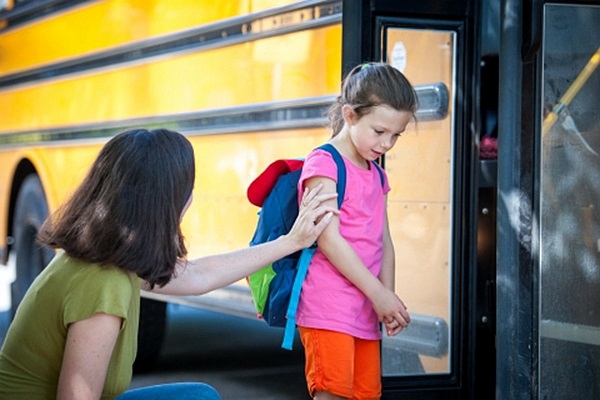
[(127, 210), (369, 85)]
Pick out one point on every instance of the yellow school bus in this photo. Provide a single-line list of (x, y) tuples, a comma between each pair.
[(249, 81)]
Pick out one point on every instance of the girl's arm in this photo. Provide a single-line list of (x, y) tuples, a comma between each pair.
[(339, 252), (204, 274), (387, 276), (88, 349)]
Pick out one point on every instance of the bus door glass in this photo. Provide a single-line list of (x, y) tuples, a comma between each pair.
[(420, 203), (569, 262)]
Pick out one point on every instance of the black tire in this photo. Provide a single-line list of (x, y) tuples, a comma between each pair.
[(153, 315), (31, 258)]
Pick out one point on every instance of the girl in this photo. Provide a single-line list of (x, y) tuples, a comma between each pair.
[(349, 288), (74, 335)]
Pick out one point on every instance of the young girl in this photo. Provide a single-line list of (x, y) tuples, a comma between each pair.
[(349, 288), (74, 335)]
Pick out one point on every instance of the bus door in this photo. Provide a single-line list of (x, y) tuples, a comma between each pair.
[(432, 206), (569, 253), (548, 181)]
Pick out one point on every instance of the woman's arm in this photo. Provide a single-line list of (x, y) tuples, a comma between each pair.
[(339, 252), (88, 349), (204, 274)]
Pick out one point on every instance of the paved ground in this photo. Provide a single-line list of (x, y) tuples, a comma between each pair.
[(240, 358)]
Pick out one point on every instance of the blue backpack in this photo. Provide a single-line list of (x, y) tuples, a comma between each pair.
[(276, 288)]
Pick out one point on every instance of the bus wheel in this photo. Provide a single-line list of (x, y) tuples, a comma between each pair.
[(31, 258), (150, 336)]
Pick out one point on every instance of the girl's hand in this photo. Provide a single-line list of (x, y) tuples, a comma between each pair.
[(313, 217), (391, 312)]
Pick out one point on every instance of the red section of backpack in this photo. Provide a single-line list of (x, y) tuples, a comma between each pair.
[(260, 188)]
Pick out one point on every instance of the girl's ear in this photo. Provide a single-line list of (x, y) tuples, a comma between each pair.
[(348, 114)]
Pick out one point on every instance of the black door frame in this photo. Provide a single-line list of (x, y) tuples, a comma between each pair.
[(361, 43), (517, 174)]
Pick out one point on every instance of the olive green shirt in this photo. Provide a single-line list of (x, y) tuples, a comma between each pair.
[(68, 290)]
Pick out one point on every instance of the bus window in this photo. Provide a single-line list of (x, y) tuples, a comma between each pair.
[(420, 204), (570, 205)]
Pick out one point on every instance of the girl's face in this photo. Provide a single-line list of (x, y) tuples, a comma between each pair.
[(376, 132)]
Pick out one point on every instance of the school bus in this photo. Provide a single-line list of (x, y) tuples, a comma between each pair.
[(494, 189)]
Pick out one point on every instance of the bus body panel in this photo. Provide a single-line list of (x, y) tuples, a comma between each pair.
[(181, 83), (243, 101), (101, 25)]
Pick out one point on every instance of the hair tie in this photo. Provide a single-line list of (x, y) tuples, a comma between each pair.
[(365, 66)]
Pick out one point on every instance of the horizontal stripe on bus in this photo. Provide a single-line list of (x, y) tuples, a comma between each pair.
[(260, 25), (305, 113), (295, 114), (31, 10)]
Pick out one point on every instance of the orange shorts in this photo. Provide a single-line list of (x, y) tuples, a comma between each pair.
[(341, 364)]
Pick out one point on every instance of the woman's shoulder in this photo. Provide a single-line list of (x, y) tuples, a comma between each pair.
[(69, 268)]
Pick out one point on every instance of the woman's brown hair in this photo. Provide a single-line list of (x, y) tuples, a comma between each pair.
[(127, 210)]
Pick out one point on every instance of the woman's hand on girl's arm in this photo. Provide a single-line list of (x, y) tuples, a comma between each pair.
[(315, 213), (204, 274), (88, 349)]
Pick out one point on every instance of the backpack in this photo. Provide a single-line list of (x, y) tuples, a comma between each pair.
[(276, 288)]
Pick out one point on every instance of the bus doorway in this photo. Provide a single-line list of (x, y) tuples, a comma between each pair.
[(433, 209), (493, 210)]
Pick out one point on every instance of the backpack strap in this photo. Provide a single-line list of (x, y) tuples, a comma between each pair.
[(380, 170), (341, 171), (290, 323), (307, 254)]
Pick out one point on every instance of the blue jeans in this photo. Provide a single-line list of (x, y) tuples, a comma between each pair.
[(170, 391)]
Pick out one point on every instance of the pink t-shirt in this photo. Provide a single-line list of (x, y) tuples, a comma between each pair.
[(328, 300)]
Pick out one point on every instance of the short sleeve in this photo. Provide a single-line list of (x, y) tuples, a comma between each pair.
[(100, 290), (318, 163)]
